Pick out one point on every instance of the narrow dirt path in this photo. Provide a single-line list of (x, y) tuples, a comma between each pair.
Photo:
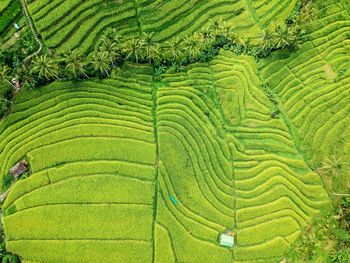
[(32, 28)]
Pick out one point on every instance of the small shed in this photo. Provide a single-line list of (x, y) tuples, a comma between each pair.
[(17, 26), (227, 240), (19, 168)]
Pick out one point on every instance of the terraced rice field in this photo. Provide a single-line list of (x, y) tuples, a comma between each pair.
[(73, 24), (112, 152), (129, 169), (313, 84)]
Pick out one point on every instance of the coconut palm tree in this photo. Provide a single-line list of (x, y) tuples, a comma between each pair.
[(149, 45), (191, 45), (283, 37), (75, 64), (206, 38), (227, 31), (308, 13), (133, 49), (334, 167), (25, 76), (111, 49), (111, 33), (174, 49), (216, 28), (4, 75), (45, 67), (155, 54), (267, 40), (101, 63)]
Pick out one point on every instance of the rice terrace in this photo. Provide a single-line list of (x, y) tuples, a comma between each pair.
[(175, 131)]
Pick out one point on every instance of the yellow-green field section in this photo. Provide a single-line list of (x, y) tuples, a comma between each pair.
[(106, 155), (77, 24), (313, 84)]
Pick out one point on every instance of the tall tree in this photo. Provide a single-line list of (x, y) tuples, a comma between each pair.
[(75, 64), (111, 48), (25, 76), (5, 75), (267, 40), (133, 49), (175, 49), (45, 66), (112, 34), (149, 45), (307, 13), (101, 63), (191, 45), (283, 36)]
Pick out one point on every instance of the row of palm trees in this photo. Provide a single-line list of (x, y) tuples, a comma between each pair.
[(113, 50), (279, 36)]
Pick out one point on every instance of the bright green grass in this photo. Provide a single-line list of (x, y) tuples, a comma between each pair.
[(93, 151), (106, 155), (313, 85), (79, 24)]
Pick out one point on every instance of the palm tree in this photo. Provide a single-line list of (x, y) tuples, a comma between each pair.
[(334, 167), (133, 49), (155, 53), (110, 47), (342, 214), (216, 28), (226, 30), (191, 45), (25, 77), (4, 75), (45, 67), (101, 63), (75, 64), (308, 13), (175, 48), (149, 45), (111, 33), (267, 40), (283, 37), (206, 38)]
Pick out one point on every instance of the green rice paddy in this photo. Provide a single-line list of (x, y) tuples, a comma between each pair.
[(107, 155)]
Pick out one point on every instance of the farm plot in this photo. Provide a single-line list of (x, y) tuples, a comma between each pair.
[(313, 84), (10, 11), (67, 25), (276, 192), (144, 171), (92, 154), (195, 168), (265, 11), (179, 18)]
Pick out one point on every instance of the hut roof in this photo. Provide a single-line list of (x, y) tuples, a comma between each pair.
[(19, 169), (227, 240)]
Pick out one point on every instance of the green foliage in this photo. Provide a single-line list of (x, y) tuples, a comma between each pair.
[(9, 14), (326, 239), (7, 182)]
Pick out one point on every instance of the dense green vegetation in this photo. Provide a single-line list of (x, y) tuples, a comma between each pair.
[(9, 13), (151, 127)]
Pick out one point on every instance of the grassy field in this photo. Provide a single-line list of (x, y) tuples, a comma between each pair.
[(79, 24), (133, 169)]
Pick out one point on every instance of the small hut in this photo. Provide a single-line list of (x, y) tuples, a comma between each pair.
[(227, 239), (19, 168)]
